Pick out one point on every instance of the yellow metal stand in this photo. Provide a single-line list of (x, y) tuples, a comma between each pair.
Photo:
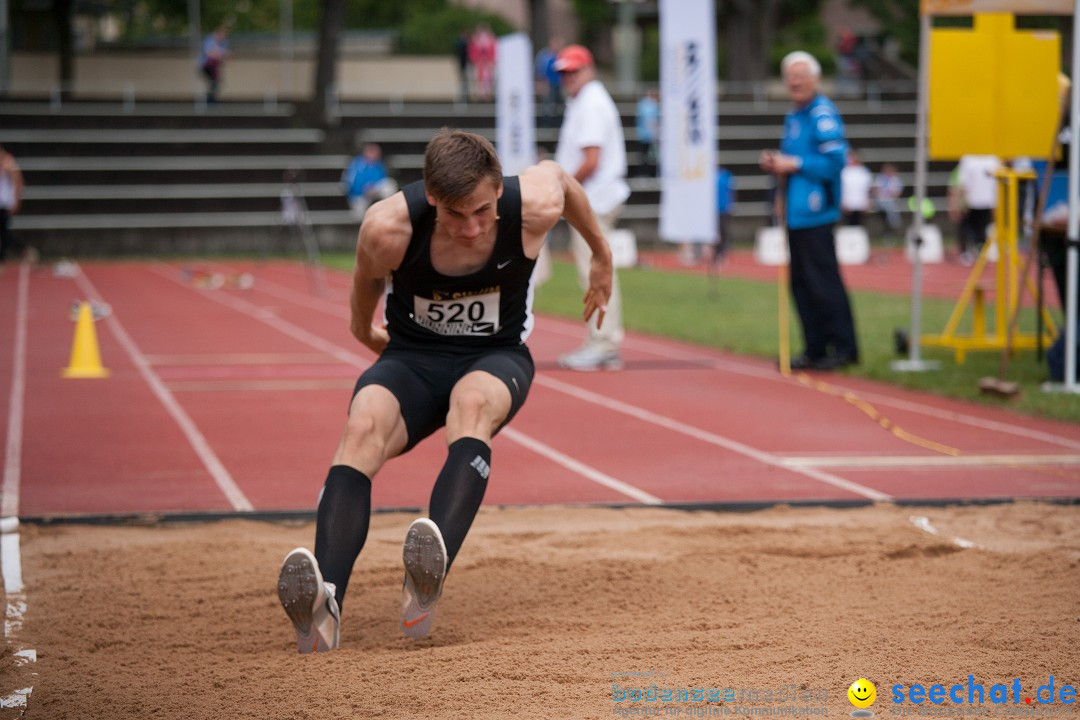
[(1006, 284)]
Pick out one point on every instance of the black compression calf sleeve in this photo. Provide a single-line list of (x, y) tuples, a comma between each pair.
[(459, 490), (342, 526)]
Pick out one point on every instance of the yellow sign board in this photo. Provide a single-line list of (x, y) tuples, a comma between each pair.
[(993, 90)]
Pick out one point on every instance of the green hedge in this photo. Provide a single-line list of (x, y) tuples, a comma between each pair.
[(434, 33)]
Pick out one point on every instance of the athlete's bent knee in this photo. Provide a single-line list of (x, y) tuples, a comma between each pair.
[(362, 436), (470, 405)]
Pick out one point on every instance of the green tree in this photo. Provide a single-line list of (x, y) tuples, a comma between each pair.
[(595, 17), (803, 32), (61, 10), (432, 31), (901, 18), (333, 14), (749, 30)]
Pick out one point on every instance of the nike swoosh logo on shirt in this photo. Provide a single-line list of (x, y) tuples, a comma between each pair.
[(503, 264)]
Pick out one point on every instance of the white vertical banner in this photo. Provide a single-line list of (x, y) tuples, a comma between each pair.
[(515, 115), (688, 121)]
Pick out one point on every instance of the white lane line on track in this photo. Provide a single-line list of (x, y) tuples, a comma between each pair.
[(971, 420), (876, 462), (258, 385), (705, 436), (240, 359), (198, 442), (580, 468), (565, 328), (10, 542), (267, 316), (247, 308), (13, 448), (319, 304)]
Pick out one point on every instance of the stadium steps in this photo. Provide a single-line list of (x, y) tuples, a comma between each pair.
[(104, 177)]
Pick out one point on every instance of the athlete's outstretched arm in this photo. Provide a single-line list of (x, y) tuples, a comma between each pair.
[(549, 192), (380, 247)]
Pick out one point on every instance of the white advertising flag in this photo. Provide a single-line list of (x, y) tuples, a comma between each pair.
[(687, 121), (515, 117)]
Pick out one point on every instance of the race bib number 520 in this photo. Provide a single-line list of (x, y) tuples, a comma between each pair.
[(469, 315)]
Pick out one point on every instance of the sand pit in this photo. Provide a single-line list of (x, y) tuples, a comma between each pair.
[(551, 612)]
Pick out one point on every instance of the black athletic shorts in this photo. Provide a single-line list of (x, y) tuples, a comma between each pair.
[(421, 380)]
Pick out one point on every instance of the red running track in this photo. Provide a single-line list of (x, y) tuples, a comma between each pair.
[(230, 399)]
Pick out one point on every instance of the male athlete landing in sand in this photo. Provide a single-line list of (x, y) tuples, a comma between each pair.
[(459, 248)]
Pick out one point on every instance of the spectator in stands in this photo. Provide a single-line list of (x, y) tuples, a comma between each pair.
[(855, 184), (888, 187), (811, 158), (482, 46), (548, 85), (215, 48), (725, 205), (293, 205), (592, 149), (366, 180), (11, 190), (979, 186), (461, 52), (648, 131), (848, 68)]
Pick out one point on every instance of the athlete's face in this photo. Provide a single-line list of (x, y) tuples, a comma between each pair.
[(469, 221)]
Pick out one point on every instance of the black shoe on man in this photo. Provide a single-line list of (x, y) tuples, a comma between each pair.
[(833, 362), (805, 362)]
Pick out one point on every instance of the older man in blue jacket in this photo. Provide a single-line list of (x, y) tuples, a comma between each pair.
[(812, 154)]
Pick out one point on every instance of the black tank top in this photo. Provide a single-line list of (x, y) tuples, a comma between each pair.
[(491, 307)]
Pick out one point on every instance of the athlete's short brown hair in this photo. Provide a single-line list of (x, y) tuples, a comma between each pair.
[(456, 161)]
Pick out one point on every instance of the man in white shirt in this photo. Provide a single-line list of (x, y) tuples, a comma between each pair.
[(976, 175), (592, 148), (855, 182)]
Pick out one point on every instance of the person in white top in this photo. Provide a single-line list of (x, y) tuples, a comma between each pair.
[(855, 183), (11, 190), (980, 191), (888, 187), (592, 148)]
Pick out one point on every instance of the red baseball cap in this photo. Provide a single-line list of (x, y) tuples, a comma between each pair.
[(573, 57)]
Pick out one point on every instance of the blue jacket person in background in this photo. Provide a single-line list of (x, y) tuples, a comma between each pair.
[(812, 154)]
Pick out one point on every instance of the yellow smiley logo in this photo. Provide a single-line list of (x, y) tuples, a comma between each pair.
[(862, 693)]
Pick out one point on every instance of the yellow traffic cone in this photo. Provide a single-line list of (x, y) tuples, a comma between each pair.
[(85, 358)]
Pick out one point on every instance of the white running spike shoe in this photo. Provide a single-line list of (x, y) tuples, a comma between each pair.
[(309, 602), (425, 571)]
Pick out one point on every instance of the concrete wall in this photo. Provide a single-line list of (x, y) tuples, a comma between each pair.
[(162, 76)]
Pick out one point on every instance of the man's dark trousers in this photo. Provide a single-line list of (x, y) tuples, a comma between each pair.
[(820, 296)]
